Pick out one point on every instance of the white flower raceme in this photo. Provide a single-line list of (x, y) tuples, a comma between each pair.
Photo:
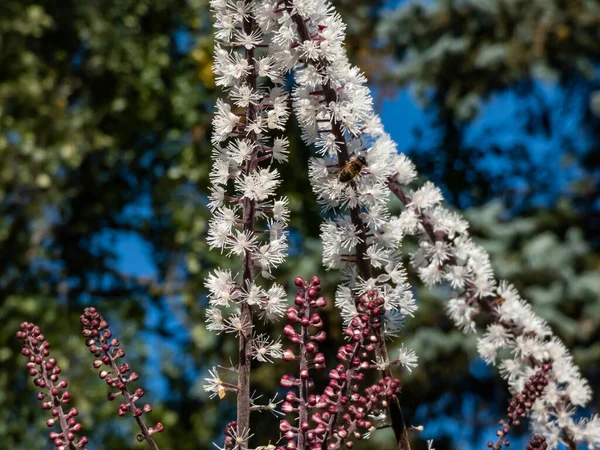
[(518, 340), (249, 220), (334, 109), (355, 158), (244, 157)]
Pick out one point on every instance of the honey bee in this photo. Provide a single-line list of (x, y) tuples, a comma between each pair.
[(351, 169)]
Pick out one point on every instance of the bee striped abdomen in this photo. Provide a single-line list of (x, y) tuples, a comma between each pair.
[(352, 169)]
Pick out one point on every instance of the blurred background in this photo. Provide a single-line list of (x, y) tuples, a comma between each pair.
[(105, 109)]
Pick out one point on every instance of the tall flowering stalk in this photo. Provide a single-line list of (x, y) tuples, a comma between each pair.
[(53, 393), (517, 340), (334, 109), (116, 374), (248, 221)]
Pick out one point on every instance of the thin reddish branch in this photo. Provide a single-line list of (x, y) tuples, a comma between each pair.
[(46, 371), (345, 385), (303, 388), (103, 346)]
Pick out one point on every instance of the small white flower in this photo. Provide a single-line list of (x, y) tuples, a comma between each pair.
[(235, 324), (462, 313), (281, 212), (426, 196), (242, 243), (280, 149), (224, 122), (259, 184), (214, 320), (214, 384), (244, 96), (264, 348), (248, 40), (240, 439), (222, 288), (252, 294), (276, 303), (407, 358), (240, 150)]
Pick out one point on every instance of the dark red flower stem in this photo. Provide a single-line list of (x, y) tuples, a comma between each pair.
[(64, 426), (303, 388), (338, 406), (127, 395), (248, 218), (105, 347), (46, 371)]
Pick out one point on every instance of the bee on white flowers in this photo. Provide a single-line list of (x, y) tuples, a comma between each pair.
[(352, 169)]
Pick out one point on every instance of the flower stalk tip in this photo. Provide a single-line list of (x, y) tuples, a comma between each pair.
[(116, 374), (53, 394)]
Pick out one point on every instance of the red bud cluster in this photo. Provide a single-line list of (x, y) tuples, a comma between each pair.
[(53, 394), (520, 404), (230, 434), (339, 414), (537, 443), (117, 375), (303, 329)]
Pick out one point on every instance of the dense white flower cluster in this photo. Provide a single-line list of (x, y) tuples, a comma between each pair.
[(517, 340), (249, 220), (334, 108)]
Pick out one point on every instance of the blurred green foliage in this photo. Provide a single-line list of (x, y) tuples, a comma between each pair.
[(105, 110)]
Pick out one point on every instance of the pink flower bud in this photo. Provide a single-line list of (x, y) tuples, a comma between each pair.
[(284, 426), (321, 302), (288, 355), (287, 381)]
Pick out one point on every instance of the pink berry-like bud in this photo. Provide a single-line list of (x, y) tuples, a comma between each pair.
[(284, 426), (287, 381), (287, 408), (321, 302)]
